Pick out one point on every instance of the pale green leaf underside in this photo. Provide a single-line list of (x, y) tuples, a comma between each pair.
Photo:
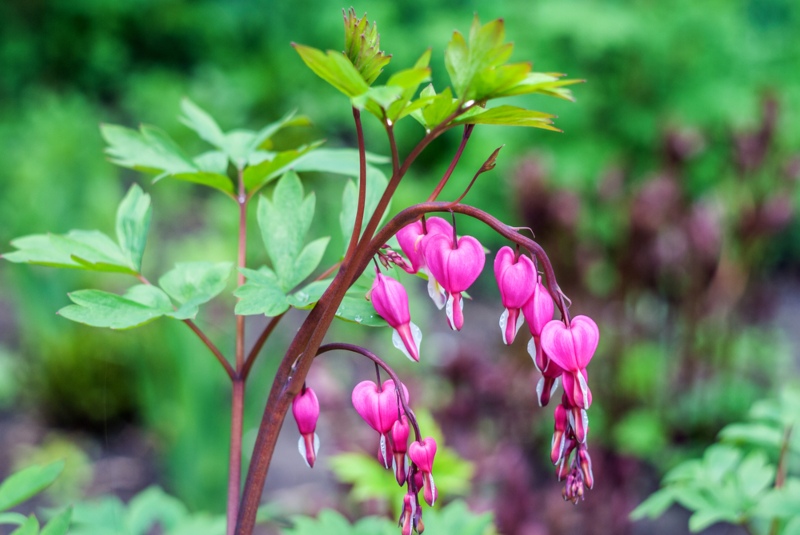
[(140, 305)]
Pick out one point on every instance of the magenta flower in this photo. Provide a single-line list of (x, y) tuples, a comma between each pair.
[(399, 434), (305, 408), (379, 407), (412, 241), (516, 278), (455, 267), (571, 348), (390, 300), (422, 454)]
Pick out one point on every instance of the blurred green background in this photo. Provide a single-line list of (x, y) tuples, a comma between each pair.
[(668, 207)]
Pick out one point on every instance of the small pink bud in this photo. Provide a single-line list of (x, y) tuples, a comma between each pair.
[(407, 517), (422, 454), (411, 239), (563, 468), (378, 406), (516, 279), (305, 408), (586, 466), (455, 269), (559, 434), (399, 435), (390, 300)]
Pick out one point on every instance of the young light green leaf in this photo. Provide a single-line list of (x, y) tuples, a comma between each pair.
[(382, 96), (258, 175), (284, 222), (140, 305), (434, 109), (260, 294), (194, 283), (30, 527), (27, 483), (508, 116), (59, 524), (465, 62), (409, 80), (133, 221), (334, 68), (262, 137), (362, 46), (549, 84), (99, 252), (201, 122)]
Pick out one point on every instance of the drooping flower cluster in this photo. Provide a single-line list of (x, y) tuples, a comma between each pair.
[(560, 349)]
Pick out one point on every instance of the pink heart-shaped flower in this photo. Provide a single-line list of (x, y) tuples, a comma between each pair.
[(516, 277), (412, 235), (422, 453), (378, 406), (539, 309), (455, 268), (571, 347)]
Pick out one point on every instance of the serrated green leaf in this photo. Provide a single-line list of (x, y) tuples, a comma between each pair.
[(284, 222), (335, 68), (434, 109), (30, 527), (409, 80), (467, 61), (654, 506), (700, 520), (540, 83), (26, 483), (258, 175), (59, 524), (133, 222), (508, 116), (201, 122), (382, 96), (153, 506), (140, 305), (194, 283), (307, 296), (260, 294)]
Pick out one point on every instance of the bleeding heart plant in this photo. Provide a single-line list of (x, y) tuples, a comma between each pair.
[(241, 163)]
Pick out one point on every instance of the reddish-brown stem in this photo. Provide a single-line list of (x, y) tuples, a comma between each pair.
[(251, 358), (440, 186), (237, 390), (392, 146), (385, 367), (362, 185), (780, 472), (203, 338)]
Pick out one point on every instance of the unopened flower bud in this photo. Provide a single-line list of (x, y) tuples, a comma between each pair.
[(586, 466), (399, 434), (390, 300), (422, 454), (559, 434), (305, 409)]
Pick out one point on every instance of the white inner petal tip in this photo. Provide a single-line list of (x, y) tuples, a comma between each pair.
[(503, 325), (540, 390)]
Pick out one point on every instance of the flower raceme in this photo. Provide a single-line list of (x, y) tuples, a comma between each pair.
[(305, 408), (390, 300), (379, 406), (455, 264)]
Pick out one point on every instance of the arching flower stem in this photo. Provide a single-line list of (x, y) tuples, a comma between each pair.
[(385, 367)]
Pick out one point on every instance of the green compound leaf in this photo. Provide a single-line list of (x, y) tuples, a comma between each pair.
[(30, 527), (308, 296), (260, 294), (335, 68), (79, 249), (27, 483), (140, 304), (284, 222), (133, 222), (431, 109), (59, 524), (542, 83), (508, 116), (150, 150), (201, 122), (194, 283), (468, 63)]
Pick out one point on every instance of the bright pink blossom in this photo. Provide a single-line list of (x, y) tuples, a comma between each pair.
[(455, 267), (422, 454), (571, 348), (390, 300), (379, 407), (399, 433), (305, 408), (516, 279), (412, 240)]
